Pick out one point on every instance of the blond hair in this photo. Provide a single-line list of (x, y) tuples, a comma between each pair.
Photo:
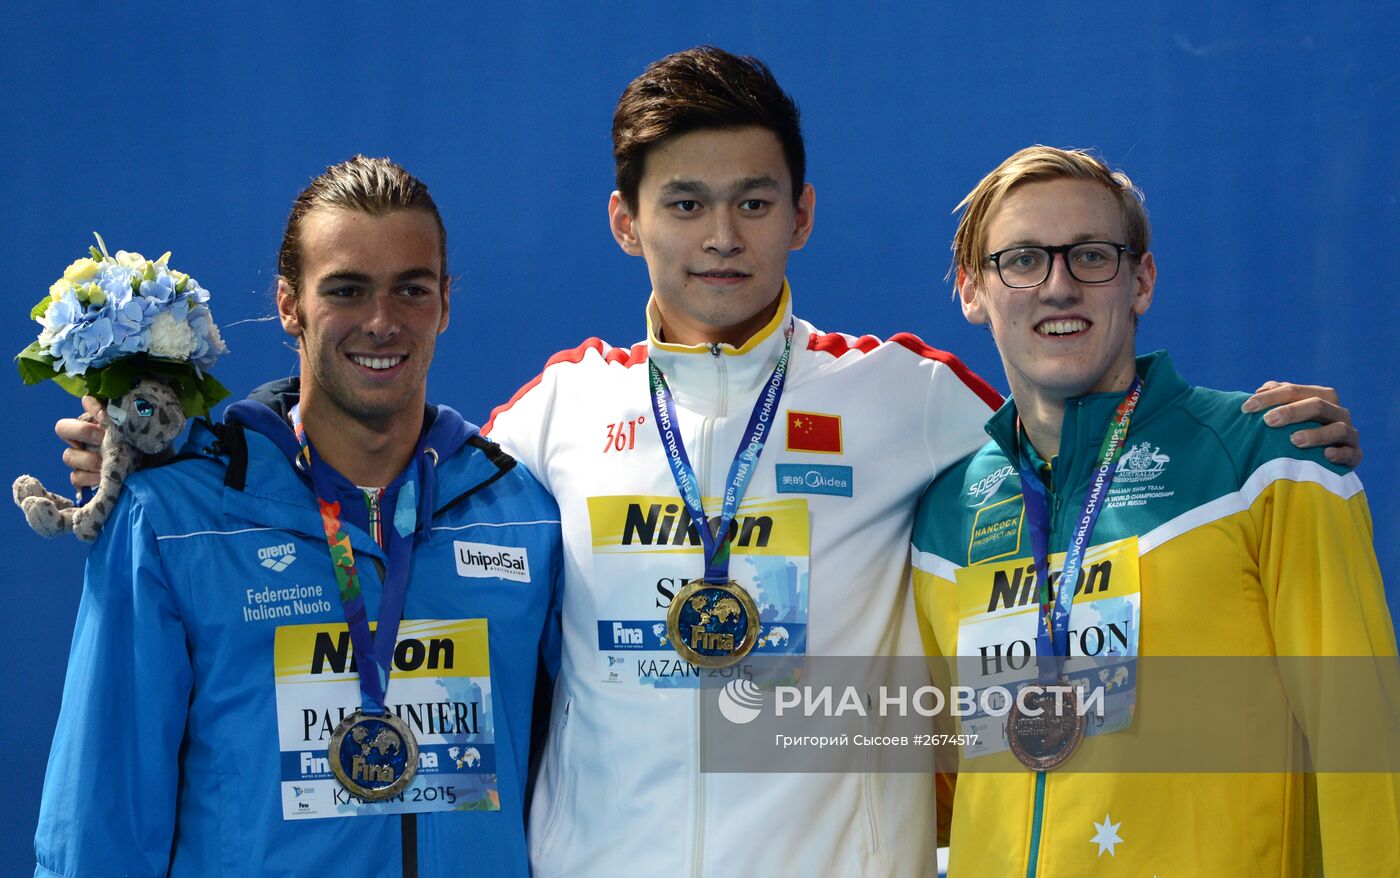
[(1038, 164)]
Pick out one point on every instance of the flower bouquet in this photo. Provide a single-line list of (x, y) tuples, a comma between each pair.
[(138, 335), (113, 319)]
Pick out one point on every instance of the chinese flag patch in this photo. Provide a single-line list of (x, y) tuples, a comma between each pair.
[(810, 431)]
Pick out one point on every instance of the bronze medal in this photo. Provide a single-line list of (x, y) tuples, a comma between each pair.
[(1047, 740)]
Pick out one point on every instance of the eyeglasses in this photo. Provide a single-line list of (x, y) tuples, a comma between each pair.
[(1089, 262)]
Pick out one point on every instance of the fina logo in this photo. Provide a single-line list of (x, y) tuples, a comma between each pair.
[(277, 558), (1141, 463), (740, 701), (984, 489)]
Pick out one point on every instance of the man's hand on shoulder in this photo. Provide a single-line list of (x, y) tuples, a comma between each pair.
[(1289, 403), (83, 436)]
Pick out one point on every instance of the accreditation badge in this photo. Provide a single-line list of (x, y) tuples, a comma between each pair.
[(434, 749), (646, 551), (373, 756), (711, 624), (998, 610)]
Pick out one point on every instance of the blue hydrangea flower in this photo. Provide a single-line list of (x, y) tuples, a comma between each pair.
[(97, 330), (84, 342)]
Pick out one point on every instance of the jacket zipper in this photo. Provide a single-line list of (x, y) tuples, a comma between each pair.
[(707, 441), (1033, 863), (1038, 812), (408, 823)]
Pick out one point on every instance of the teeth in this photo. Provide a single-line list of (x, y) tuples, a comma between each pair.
[(1061, 327), (377, 362)]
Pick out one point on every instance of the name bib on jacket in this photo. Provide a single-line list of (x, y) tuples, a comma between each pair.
[(997, 623), (441, 687), (646, 548)]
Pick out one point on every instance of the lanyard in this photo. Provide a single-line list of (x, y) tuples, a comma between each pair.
[(1053, 618), (374, 651), (663, 406)]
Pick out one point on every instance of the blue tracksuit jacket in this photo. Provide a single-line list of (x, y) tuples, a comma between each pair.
[(166, 757)]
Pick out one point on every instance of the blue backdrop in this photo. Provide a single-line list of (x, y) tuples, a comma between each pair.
[(1267, 138)]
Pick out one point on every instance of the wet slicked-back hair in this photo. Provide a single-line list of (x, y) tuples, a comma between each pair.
[(698, 89), (1038, 164), (376, 186)]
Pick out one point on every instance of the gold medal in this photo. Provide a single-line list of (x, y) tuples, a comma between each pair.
[(373, 756), (1047, 736), (712, 625)]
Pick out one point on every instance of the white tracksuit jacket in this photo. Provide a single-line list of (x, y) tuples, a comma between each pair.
[(620, 792)]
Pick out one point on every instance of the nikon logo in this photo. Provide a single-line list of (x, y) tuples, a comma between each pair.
[(487, 561), (670, 525), (333, 655), (1018, 587)]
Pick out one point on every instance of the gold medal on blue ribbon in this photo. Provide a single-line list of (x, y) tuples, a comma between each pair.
[(374, 756), (712, 625), (713, 622)]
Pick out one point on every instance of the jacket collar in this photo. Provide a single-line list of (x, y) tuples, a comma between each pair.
[(718, 380), (1086, 417), (277, 492)]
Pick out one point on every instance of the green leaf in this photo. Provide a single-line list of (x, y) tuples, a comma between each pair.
[(74, 384), (197, 393), (114, 380), (34, 366), (40, 309), (213, 392)]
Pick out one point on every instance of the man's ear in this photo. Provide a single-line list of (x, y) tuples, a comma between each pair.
[(805, 215), (446, 304), (1144, 282), (287, 309), (970, 295), (624, 225)]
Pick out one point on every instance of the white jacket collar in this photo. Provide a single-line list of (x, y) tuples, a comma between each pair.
[(721, 380)]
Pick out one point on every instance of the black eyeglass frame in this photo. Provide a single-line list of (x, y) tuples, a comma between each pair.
[(1061, 250)]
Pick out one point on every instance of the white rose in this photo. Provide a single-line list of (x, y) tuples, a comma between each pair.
[(134, 261), (170, 338)]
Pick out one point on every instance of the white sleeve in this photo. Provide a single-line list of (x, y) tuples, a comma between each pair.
[(958, 406)]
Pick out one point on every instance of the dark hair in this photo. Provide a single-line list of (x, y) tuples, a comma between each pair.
[(697, 89), (376, 186)]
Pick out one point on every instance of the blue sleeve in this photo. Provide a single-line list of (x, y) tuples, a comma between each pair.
[(552, 636), (109, 794)]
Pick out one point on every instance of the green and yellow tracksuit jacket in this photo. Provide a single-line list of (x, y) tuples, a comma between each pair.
[(1232, 543)]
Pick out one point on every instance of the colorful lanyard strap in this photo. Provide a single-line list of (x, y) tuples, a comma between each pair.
[(1053, 624), (663, 405), (376, 646)]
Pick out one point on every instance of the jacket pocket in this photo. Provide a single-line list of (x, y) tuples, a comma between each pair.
[(560, 775)]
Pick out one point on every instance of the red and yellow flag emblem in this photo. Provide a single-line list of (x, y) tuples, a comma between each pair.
[(812, 431)]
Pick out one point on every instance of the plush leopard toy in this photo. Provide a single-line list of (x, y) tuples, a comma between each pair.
[(147, 419)]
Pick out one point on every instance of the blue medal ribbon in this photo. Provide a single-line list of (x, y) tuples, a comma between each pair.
[(374, 649), (663, 406), (1053, 618)]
